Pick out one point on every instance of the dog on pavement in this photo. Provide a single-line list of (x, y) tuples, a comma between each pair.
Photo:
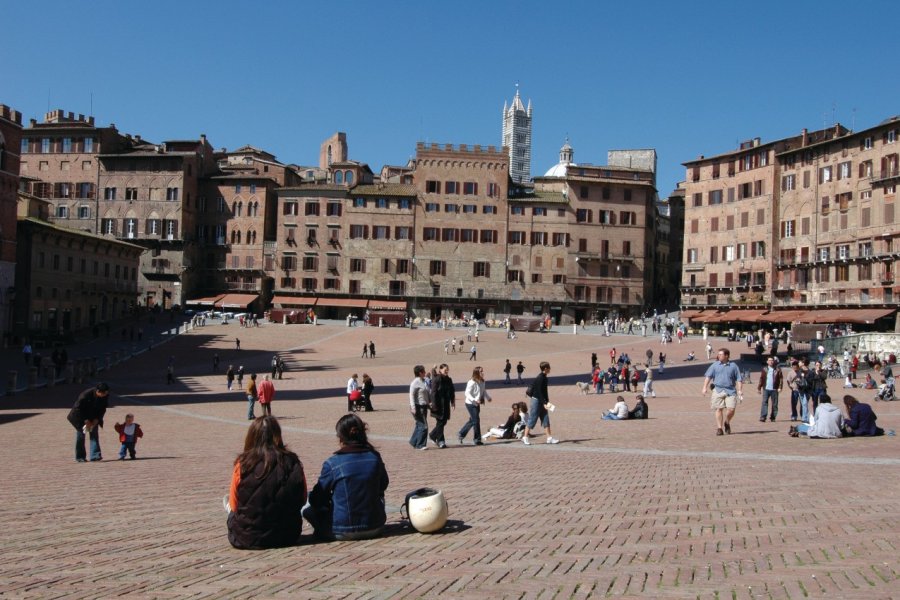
[(584, 388)]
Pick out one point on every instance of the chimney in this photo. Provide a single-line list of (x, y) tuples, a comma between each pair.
[(80, 117), (805, 137), (756, 142), (837, 130), (203, 138), (137, 138), (90, 120)]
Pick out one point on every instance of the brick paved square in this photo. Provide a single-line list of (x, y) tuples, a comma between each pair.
[(660, 508)]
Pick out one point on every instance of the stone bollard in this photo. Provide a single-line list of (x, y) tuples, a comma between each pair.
[(70, 372), (380, 322), (32, 377), (284, 319), (11, 382)]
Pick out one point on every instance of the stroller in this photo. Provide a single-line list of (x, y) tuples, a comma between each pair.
[(886, 393), (358, 401)]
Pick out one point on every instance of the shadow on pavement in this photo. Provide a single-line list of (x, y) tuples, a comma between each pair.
[(13, 417)]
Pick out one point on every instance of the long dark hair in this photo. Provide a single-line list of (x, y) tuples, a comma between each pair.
[(351, 431), (263, 444)]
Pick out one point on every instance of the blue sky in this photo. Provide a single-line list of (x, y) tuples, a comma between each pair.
[(685, 78)]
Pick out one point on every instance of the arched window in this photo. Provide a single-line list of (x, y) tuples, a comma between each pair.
[(256, 209), (348, 177), (234, 208), (339, 177), (233, 236), (238, 237), (240, 208)]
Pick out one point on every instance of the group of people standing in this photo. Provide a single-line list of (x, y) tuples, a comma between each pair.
[(434, 393)]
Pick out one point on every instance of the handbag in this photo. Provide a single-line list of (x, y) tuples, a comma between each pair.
[(529, 391)]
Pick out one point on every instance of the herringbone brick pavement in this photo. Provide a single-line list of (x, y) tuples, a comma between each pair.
[(655, 508)]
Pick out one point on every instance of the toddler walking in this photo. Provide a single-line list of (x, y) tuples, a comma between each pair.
[(129, 432)]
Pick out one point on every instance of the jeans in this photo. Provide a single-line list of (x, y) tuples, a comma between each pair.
[(766, 396), (795, 398), (804, 407), (419, 437), (250, 401), (127, 446), (474, 421), (80, 454)]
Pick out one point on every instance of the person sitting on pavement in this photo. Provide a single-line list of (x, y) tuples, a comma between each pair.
[(268, 489), (826, 422), (512, 427), (619, 412), (861, 421), (347, 503), (640, 410), (690, 356)]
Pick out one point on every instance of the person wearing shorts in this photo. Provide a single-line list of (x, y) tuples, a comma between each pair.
[(725, 377)]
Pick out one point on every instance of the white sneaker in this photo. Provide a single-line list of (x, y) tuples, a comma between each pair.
[(526, 441), (552, 440)]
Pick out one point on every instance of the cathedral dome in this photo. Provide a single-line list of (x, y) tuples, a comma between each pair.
[(566, 153)]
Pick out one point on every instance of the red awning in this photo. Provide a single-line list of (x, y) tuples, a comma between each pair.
[(294, 300), (688, 314), (705, 315), (736, 316), (387, 305), (783, 316), (865, 316), (236, 300), (209, 301), (343, 302)]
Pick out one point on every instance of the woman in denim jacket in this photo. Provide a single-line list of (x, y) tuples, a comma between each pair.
[(348, 501)]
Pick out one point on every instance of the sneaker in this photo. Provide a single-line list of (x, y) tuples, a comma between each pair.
[(526, 441), (423, 448), (121, 458), (728, 428), (461, 440), (552, 440), (442, 445), (479, 443), (719, 432)]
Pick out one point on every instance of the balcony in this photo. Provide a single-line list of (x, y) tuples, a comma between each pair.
[(887, 277), (885, 177)]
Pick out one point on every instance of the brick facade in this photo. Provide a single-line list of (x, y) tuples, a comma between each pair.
[(803, 221)]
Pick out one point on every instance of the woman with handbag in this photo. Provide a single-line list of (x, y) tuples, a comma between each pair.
[(476, 395)]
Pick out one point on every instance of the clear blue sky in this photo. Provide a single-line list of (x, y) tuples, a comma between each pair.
[(685, 78)]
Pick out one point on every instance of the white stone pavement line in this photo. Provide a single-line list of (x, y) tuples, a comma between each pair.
[(571, 448)]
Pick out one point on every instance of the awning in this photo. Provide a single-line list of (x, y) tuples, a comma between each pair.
[(343, 302), (705, 315), (153, 276), (865, 316), (689, 314), (782, 316), (236, 300), (387, 305), (209, 301), (736, 316), (294, 300)]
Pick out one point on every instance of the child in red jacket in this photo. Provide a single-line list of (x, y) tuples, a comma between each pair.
[(129, 432)]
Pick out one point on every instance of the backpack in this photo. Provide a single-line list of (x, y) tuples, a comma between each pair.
[(529, 391)]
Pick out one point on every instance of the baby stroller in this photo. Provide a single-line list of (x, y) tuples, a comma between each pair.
[(357, 400), (886, 393)]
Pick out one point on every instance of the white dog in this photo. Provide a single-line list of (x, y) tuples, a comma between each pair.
[(585, 388)]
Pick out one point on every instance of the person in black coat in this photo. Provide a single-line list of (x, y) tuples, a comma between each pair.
[(86, 417), (445, 400), (268, 490)]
